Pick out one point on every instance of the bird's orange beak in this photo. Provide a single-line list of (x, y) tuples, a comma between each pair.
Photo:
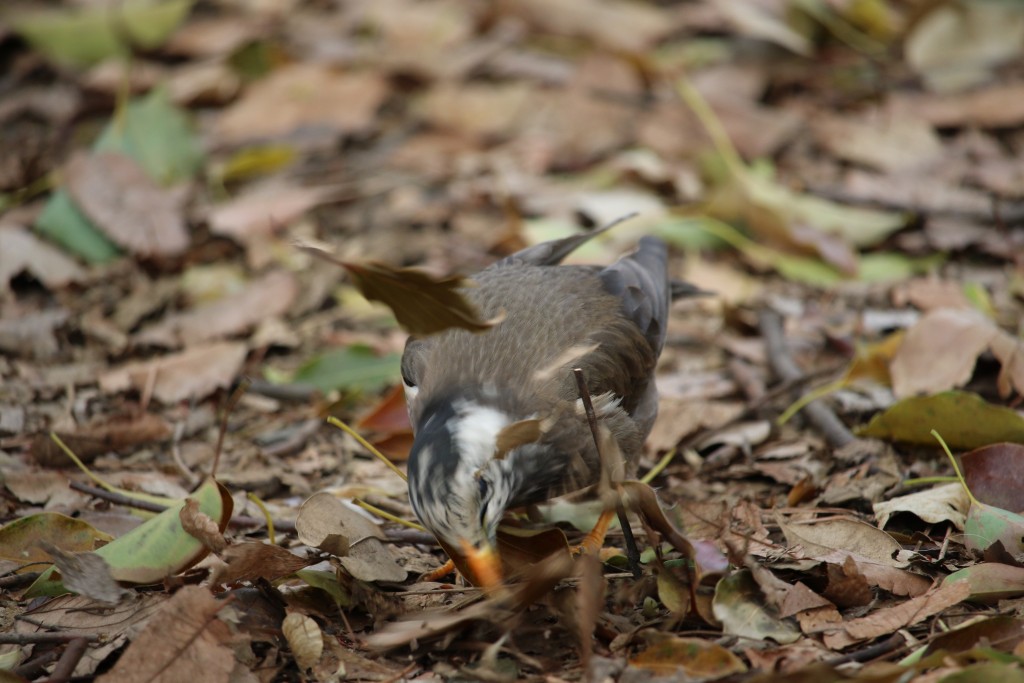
[(484, 565)]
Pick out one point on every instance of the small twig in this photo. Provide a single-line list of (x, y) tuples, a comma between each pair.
[(229, 408), (890, 644), (45, 637), (384, 514), (632, 552), (17, 580), (368, 446), (237, 521), (73, 654), (819, 414)]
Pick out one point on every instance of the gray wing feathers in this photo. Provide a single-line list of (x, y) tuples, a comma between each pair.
[(641, 283), (551, 253)]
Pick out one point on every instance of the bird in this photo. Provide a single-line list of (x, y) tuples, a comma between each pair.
[(465, 391)]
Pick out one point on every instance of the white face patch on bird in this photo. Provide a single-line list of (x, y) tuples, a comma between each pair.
[(457, 488)]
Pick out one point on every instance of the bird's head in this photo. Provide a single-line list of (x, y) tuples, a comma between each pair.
[(457, 487)]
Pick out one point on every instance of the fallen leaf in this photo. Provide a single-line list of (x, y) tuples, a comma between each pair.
[(196, 648), (83, 35), (995, 475), (692, 657), (263, 211), (739, 606), (117, 195), (848, 536), (886, 143), (21, 251), (890, 619), (303, 95), (194, 373), (1000, 105), (304, 638), (947, 503), (112, 433), (268, 296), (354, 368), (251, 560), (322, 516), (955, 47), (990, 582), (87, 574)]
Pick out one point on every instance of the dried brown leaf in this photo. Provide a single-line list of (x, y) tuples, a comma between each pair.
[(21, 251), (268, 296), (304, 638), (304, 95), (890, 619), (186, 642), (87, 574), (252, 560), (197, 372), (199, 525), (130, 207), (114, 433)]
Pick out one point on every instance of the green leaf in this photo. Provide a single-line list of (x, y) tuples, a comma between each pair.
[(355, 368), (327, 582), (62, 222), (156, 549), (891, 266), (158, 135), (81, 37), (153, 132), (19, 540), (964, 419)]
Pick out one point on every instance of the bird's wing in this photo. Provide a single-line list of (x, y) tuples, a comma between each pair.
[(640, 281), (552, 252)]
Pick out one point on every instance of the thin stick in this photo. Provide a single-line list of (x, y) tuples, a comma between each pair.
[(387, 515), (632, 552), (229, 408), (662, 464), (368, 446)]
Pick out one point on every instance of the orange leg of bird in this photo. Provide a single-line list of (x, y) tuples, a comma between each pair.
[(593, 541), (439, 573)]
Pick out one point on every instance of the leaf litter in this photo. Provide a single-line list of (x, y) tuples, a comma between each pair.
[(803, 172)]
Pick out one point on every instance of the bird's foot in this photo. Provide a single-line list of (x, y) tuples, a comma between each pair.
[(594, 540)]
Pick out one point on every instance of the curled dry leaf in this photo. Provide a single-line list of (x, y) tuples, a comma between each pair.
[(324, 520), (201, 526), (125, 203), (304, 638)]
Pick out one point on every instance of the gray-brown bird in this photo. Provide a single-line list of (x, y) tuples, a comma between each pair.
[(464, 388)]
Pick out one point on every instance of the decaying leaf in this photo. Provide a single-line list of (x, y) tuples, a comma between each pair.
[(323, 519), (115, 192), (196, 648)]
